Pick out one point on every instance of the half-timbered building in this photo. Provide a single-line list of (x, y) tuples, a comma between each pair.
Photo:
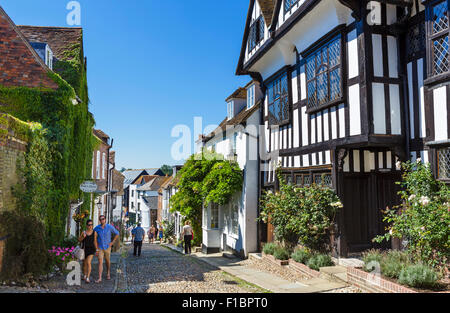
[(351, 87)]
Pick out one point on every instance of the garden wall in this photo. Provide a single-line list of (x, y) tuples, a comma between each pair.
[(374, 284)]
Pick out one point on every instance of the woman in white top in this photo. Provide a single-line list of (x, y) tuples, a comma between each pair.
[(187, 233)]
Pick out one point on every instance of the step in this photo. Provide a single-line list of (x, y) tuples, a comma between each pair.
[(334, 273), (255, 256)]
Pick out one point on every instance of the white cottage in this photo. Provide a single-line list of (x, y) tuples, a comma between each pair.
[(233, 227)]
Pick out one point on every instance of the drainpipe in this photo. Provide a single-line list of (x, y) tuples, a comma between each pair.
[(108, 182)]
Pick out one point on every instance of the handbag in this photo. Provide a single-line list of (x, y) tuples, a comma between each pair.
[(78, 252)]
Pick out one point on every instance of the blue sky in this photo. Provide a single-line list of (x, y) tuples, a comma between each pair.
[(152, 64)]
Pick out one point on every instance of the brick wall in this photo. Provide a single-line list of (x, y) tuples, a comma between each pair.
[(374, 284), (11, 150)]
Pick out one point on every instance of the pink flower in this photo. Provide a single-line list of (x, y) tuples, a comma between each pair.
[(63, 258), (57, 253)]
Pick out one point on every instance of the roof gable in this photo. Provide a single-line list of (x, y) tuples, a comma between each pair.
[(270, 10), (20, 64)]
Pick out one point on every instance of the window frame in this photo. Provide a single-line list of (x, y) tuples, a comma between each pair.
[(251, 101), (291, 5), (254, 29), (212, 216), (270, 83), (445, 180), (338, 33), (312, 173), (435, 79)]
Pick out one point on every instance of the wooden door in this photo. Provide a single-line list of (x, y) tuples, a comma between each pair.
[(365, 196)]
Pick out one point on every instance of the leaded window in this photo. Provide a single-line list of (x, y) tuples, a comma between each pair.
[(288, 4), (307, 179), (444, 163), (415, 41), (324, 75), (438, 36), (278, 100), (256, 34)]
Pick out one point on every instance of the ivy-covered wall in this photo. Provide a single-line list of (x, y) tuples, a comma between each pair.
[(59, 156)]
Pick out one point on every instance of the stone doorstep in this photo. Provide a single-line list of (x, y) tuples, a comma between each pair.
[(334, 273), (255, 256)]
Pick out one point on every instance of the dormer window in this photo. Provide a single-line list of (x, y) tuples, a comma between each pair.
[(230, 110), (49, 57), (256, 33), (250, 96)]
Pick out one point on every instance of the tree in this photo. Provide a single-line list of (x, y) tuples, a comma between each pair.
[(204, 178), (167, 170)]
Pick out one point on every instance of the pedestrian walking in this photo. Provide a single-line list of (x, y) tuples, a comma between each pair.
[(161, 234), (187, 233), (103, 244), (87, 239), (156, 232), (138, 235), (151, 234)]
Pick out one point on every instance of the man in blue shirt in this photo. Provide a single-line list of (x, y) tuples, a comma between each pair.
[(138, 236), (103, 244)]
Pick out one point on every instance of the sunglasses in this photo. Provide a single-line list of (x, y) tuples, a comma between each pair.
[(90, 225), (102, 219)]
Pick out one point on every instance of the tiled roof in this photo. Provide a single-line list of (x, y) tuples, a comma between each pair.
[(100, 134), (117, 182), (240, 93), (143, 179), (155, 184), (19, 63), (267, 8), (60, 39), (238, 119)]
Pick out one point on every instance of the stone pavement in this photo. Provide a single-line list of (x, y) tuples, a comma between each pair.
[(160, 270), (58, 284), (263, 279)]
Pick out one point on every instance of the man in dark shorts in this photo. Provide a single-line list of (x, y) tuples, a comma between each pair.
[(138, 235)]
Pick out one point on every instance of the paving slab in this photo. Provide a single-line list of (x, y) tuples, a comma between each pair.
[(266, 280)]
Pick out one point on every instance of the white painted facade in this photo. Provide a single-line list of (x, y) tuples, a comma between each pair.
[(233, 226)]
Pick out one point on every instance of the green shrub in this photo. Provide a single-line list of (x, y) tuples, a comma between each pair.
[(269, 248), (319, 260), (393, 262), (281, 253), (419, 275), (25, 249), (370, 256), (301, 256), (70, 241)]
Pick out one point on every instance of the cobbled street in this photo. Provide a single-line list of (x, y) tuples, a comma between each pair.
[(160, 270)]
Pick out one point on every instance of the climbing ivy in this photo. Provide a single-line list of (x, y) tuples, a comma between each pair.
[(59, 156), (205, 178)]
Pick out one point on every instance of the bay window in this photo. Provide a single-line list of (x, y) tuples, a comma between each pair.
[(324, 75), (278, 100), (438, 46)]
